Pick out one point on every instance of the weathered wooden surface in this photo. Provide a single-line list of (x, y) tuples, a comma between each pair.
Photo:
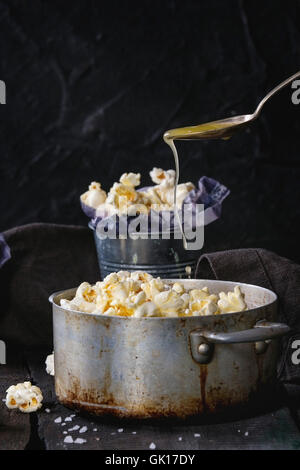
[(276, 430), (14, 426)]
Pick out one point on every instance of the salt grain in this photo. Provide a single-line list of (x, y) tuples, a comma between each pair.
[(68, 440), (68, 418), (152, 446), (246, 433), (65, 432), (197, 435), (80, 441), (120, 430), (74, 428), (180, 438), (95, 429), (83, 429), (133, 432), (63, 424), (58, 420), (47, 410)]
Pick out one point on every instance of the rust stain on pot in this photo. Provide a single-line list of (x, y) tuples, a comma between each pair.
[(203, 377)]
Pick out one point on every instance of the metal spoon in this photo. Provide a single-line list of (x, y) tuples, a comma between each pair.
[(223, 128)]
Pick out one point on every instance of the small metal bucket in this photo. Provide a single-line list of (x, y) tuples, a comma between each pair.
[(165, 258)]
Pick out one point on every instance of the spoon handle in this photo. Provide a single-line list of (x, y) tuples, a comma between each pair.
[(275, 90)]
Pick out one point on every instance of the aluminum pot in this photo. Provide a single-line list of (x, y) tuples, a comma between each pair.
[(162, 367)]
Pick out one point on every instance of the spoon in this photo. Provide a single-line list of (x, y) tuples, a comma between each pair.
[(223, 128)]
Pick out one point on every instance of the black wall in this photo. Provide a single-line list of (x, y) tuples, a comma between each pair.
[(92, 86)]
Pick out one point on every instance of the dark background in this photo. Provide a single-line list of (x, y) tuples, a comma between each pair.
[(92, 86)]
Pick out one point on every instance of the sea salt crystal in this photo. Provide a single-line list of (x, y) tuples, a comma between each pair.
[(58, 420), (95, 429), (120, 430), (63, 424), (133, 432), (180, 438), (80, 441), (246, 433), (65, 432), (197, 435), (68, 440), (74, 428), (152, 446), (68, 418), (47, 410), (83, 429)]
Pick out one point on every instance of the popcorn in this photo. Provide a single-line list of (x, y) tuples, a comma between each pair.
[(138, 294), (163, 178), (148, 309), (24, 396), (123, 198), (94, 196), (131, 179), (232, 302), (50, 364), (169, 303)]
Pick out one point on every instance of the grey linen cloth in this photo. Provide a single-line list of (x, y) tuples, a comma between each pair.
[(266, 269), (45, 258)]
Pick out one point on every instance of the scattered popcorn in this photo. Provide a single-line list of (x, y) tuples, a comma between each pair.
[(24, 396), (50, 364), (138, 294)]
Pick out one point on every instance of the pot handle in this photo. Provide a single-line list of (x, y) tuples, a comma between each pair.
[(202, 341)]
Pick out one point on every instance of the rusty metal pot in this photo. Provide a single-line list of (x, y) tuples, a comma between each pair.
[(159, 367)]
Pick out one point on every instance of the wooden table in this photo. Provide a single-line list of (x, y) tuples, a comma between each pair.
[(56, 427)]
